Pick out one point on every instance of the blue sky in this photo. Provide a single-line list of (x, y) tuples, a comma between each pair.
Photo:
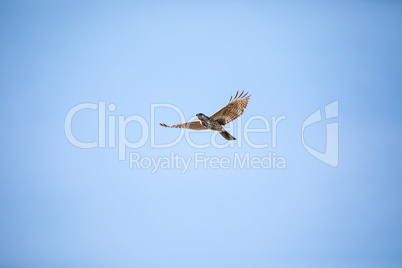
[(62, 206)]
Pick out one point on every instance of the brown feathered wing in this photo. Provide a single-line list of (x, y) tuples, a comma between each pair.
[(233, 110), (196, 125)]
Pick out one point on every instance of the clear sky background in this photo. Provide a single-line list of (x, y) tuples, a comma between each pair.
[(61, 206)]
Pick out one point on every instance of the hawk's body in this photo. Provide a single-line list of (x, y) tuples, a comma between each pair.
[(227, 114), (206, 122)]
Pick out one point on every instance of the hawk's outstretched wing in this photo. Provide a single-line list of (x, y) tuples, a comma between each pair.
[(234, 109), (196, 125)]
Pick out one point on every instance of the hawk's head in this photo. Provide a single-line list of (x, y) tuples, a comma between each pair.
[(202, 116)]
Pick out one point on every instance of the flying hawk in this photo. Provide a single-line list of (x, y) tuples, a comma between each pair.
[(227, 114)]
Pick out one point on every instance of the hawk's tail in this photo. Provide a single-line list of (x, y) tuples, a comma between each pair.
[(226, 135)]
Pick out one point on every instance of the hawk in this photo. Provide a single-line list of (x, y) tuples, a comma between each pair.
[(227, 114)]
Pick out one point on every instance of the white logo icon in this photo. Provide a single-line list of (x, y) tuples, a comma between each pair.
[(330, 156)]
